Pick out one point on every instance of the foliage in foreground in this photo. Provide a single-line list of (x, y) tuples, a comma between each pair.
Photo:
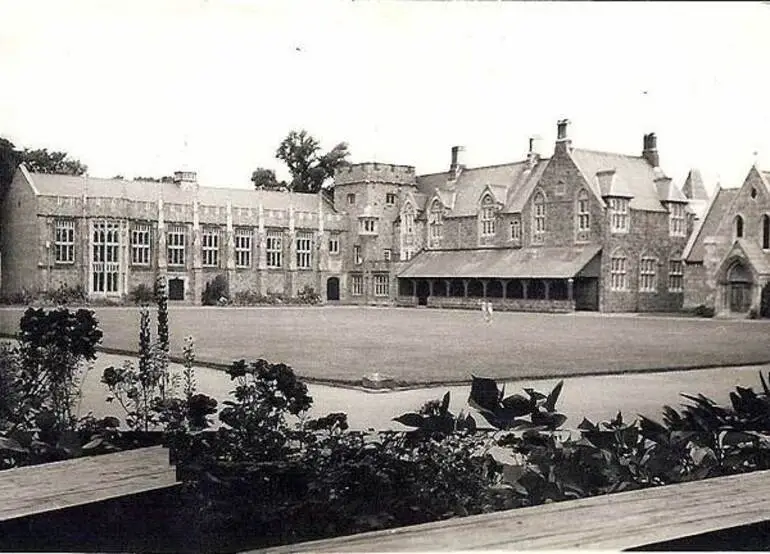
[(272, 475)]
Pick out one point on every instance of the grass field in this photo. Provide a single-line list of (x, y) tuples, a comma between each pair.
[(421, 346)]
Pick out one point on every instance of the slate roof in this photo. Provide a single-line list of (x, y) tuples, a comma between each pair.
[(694, 184), (758, 257), (633, 172), (148, 191), (543, 262), (720, 203), (511, 183)]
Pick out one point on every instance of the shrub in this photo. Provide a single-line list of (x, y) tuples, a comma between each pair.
[(142, 294), (308, 295), (753, 314), (217, 292), (65, 295), (703, 311)]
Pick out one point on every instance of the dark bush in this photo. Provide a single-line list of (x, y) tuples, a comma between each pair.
[(703, 311), (142, 294), (216, 292)]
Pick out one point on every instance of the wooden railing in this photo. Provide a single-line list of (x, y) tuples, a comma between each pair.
[(617, 521), (32, 490)]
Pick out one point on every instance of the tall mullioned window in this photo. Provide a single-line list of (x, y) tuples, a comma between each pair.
[(304, 250), (356, 285), (64, 241), (648, 271), (538, 218), (618, 279), (381, 285), (140, 245), (357, 254), (619, 215), (487, 217), (584, 218), (676, 220), (274, 249), (210, 247), (105, 266), (435, 225), (515, 230), (675, 276), (243, 248), (176, 241), (408, 219)]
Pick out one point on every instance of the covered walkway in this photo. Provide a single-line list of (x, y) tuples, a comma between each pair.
[(534, 279)]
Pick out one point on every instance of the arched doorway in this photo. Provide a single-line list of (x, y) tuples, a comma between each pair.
[(740, 284), (333, 288)]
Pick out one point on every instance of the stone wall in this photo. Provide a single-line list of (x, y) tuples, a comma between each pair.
[(507, 305)]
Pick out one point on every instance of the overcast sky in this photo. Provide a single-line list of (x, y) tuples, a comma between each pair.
[(122, 85)]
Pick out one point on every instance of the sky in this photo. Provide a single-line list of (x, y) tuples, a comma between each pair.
[(144, 87)]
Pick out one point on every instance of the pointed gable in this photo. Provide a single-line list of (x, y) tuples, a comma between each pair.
[(694, 251), (668, 192), (693, 187)]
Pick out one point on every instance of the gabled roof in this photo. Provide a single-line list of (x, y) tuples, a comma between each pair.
[(148, 191), (720, 203), (498, 192), (527, 182), (668, 191), (610, 183), (634, 172), (757, 257), (693, 186), (542, 262)]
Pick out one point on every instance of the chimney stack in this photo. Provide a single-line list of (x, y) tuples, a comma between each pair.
[(650, 150), (458, 162), (563, 142), (533, 155), (187, 180)]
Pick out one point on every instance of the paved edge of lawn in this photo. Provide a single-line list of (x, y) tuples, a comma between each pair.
[(355, 384)]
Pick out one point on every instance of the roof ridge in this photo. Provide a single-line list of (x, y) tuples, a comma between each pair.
[(592, 151)]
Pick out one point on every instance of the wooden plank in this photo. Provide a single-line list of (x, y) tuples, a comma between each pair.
[(32, 490), (617, 521)]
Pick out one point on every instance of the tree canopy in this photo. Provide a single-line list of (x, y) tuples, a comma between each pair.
[(37, 161), (309, 167)]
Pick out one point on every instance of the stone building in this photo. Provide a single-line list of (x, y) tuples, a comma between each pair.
[(728, 255), (108, 236), (579, 230)]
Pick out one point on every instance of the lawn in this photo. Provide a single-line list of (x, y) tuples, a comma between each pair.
[(442, 346)]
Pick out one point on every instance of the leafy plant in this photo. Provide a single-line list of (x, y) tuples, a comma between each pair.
[(215, 291), (142, 294)]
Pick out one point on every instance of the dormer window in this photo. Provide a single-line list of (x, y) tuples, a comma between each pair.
[(435, 224), (619, 214), (487, 217), (676, 220)]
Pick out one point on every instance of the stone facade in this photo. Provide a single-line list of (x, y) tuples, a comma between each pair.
[(728, 255)]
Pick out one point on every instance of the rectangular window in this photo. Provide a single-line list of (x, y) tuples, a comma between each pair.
[(390, 198), (356, 285), (334, 245), (676, 220), (140, 245), (274, 249), (357, 254), (64, 241), (618, 273), (619, 215), (406, 254), (304, 250), (176, 239), (675, 276), (386, 254), (105, 265), (210, 238), (381, 285), (515, 230), (367, 225), (351, 198), (648, 271), (584, 219), (243, 248)]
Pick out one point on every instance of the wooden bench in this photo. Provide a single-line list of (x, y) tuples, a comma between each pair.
[(618, 521), (31, 490)]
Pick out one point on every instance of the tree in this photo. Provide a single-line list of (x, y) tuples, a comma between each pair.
[(10, 158), (164, 179), (265, 179), (309, 168), (43, 161)]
